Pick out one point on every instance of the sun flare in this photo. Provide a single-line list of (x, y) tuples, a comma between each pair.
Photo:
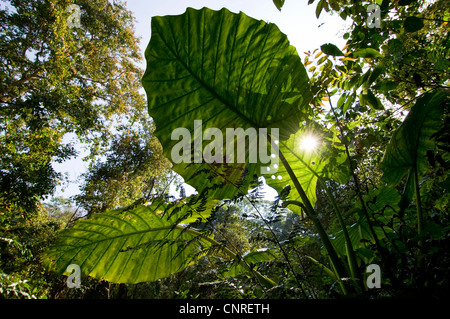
[(308, 143)]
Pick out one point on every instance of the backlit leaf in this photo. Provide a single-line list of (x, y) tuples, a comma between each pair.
[(229, 71), (409, 143), (279, 4), (413, 24), (143, 244)]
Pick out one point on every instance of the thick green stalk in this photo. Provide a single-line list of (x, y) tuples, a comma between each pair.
[(348, 244), (328, 271)]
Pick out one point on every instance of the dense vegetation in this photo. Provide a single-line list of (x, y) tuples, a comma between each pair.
[(374, 189)]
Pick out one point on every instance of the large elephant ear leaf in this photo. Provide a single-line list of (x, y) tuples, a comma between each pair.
[(216, 70), (409, 144), (325, 160), (141, 244)]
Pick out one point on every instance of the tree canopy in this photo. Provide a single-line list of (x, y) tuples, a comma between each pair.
[(57, 80)]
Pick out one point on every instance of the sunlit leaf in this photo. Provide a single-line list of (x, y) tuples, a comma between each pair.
[(321, 160), (255, 256), (366, 53), (142, 244), (229, 71), (319, 8)]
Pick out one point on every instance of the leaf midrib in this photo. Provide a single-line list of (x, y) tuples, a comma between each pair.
[(114, 237), (203, 84)]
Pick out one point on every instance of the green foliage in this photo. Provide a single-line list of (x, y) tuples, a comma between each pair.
[(413, 24), (259, 82), (22, 241), (132, 169), (325, 161), (331, 49), (55, 80), (249, 89), (122, 246), (382, 72), (374, 190), (279, 3), (142, 243), (61, 209)]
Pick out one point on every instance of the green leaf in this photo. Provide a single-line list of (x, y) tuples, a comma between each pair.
[(358, 235), (366, 253), (259, 255), (381, 201), (341, 101), (327, 270), (409, 143), (385, 86), (380, 198), (406, 2), (395, 46), (143, 244), (373, 101), (413, 24), (279, 4), (362, 99), (229, 71), (331, 49), (366, 53), (335, 6), (435, 231), (323, 161)]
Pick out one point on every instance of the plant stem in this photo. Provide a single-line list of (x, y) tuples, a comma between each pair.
[(353, 265), (286, 257), (348, 244), (355, 178), (267, 282), (337, 265)]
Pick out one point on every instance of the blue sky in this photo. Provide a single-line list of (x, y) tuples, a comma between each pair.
[(297, 20)]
